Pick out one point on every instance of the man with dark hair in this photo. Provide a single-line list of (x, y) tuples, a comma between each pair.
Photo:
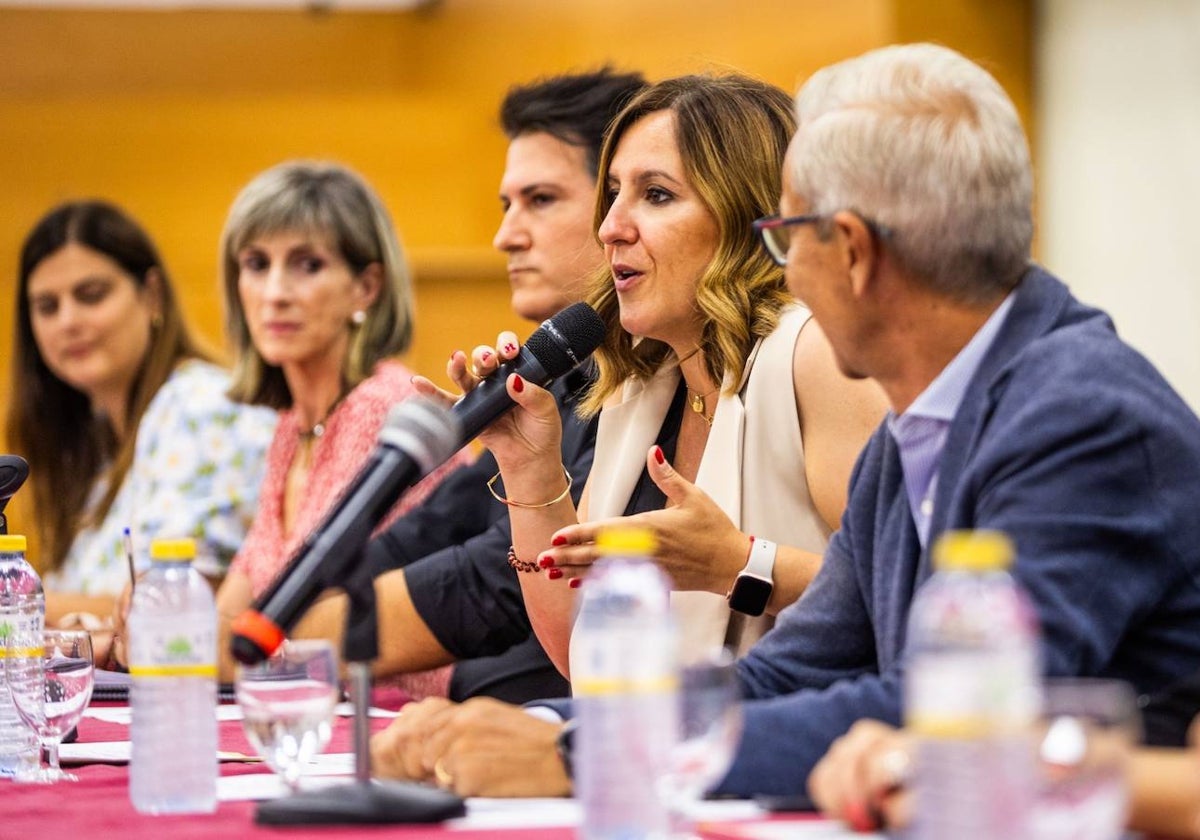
[(445, 590)]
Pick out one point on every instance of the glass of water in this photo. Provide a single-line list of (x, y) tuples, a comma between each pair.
[(288, 705), (50, 678), (710, 726), (1087, 733)]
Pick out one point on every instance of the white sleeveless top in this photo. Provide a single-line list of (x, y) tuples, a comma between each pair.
[(752, 467)]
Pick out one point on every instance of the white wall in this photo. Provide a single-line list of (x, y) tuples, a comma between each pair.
[(1119, 168)]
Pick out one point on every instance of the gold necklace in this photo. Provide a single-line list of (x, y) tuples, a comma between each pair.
[(696, 402)]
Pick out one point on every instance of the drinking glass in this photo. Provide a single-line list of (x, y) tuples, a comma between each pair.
[(50, 678), (710, 726), (1087, 733), (288, 704)]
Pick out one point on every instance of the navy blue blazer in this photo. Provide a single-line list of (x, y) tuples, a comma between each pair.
[(1073, 444)]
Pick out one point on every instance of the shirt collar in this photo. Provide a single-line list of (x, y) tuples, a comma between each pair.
[(941, 398)]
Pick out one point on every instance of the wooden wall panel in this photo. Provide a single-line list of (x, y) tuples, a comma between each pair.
[(169, 113)]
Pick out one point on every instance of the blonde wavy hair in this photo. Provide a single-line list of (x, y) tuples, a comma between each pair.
[(732, 132)]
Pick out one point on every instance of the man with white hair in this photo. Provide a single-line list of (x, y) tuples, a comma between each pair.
[(906, 223)]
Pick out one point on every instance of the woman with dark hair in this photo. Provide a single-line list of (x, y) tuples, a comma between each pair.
[(122, 416)]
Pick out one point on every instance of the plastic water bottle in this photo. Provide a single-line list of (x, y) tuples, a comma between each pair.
[(624, 675), (22, 607), (973, 694), (172, 659)]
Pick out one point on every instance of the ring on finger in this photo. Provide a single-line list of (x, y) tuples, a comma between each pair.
[(441, 774), (897, 765)]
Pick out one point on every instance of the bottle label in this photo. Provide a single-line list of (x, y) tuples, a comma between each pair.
[(172, 649), (25, 620), (967, 696)]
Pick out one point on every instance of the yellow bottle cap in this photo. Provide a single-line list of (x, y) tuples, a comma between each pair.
[(173, 550), (12, 542), (973, 551), (626, 539)]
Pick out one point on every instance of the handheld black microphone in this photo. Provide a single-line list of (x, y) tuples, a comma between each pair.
[(561, 343), (13, 471), (417, 437)]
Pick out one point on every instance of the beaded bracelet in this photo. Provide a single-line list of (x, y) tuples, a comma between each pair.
[(519, 565), (492, 489)]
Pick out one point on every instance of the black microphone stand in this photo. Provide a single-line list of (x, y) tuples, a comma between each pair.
[(364, 801)]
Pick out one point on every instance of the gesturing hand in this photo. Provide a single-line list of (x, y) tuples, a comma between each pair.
[(698, 545)]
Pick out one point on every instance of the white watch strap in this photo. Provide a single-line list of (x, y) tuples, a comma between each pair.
[(761, 562)]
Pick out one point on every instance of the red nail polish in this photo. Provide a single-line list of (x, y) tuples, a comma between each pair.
[(659, 456), (554, 574), (485, 355), (510, 348), (545, 562), (558, 540), (518, 383), (575, 583), (858, 817)]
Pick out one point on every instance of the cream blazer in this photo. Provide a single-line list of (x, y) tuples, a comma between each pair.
[(752, 467)]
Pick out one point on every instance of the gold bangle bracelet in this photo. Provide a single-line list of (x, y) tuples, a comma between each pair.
[(492, 489)]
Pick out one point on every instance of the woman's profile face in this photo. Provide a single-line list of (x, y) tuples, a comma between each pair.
[(299, 294), (658, 234), (91, 321)]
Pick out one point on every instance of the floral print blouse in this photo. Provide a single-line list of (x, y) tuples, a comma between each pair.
[(197, 465)]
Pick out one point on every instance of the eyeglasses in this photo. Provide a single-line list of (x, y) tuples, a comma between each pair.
[(776, 233)]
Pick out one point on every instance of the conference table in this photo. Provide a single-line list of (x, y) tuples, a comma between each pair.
[(98, 806)]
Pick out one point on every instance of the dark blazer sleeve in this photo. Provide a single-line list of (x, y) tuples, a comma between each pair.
[(808, 680), (465, 591), (458, 509)]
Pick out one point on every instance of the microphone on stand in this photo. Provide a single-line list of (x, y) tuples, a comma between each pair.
[(417, 438)]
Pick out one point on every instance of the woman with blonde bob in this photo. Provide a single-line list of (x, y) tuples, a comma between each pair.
[(318, 301), (723, 417)]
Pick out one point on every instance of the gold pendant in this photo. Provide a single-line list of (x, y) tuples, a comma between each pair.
[(697, 403)]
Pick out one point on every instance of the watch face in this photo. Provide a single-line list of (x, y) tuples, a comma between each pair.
[(750, 595)]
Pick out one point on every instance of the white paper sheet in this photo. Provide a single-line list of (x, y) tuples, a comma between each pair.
[(118, 752), (225, 711), (325, 770)]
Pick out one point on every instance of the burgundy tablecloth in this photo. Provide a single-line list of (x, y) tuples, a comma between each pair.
[(97, 806)]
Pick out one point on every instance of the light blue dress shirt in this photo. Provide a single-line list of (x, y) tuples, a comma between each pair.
[(921, 432)]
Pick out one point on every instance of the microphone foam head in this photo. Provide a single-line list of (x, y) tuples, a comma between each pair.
[(13, 471), (566, 339), (428, 433)]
